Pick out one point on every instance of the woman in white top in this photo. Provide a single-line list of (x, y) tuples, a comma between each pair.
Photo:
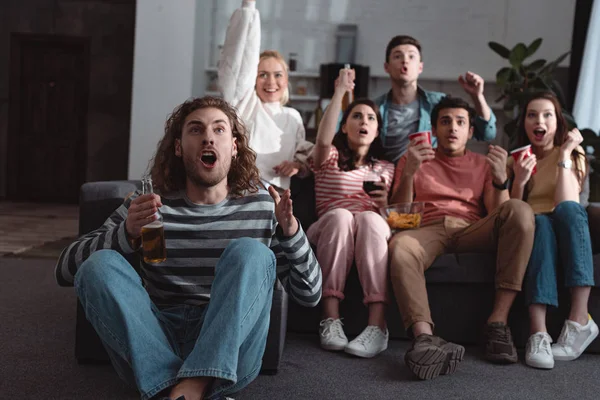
[(257, 85)]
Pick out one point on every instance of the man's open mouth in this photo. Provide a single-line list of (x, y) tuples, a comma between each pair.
[(208, 158)]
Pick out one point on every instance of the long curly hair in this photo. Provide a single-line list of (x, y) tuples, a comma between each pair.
[(562, 130), (347, 158), (167, 169)]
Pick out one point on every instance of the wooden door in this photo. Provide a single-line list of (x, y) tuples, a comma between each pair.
[(49, 86)]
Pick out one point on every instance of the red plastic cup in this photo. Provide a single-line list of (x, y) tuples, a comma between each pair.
[(426, 136), (516, 155)]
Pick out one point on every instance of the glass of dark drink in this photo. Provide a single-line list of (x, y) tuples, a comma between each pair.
[(371, 180)]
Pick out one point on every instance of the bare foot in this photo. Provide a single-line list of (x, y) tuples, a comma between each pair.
[(191, 388)]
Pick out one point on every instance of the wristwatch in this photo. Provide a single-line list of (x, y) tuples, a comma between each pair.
[(567, 164), (503, 186)]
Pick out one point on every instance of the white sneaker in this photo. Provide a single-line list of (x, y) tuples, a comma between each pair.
[(332, 334), (538, 353), (574, 339), (369, 343)]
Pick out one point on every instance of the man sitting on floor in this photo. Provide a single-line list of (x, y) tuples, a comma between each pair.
[(195, 325)]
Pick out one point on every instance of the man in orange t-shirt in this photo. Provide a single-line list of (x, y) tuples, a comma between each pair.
[(459, 188)]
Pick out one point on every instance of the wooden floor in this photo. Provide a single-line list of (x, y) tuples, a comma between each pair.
[(24, 226)]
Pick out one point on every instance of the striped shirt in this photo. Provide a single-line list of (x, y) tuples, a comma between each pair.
[(335, 188), (196, 236)]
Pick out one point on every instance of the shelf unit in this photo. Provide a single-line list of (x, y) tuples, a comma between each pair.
[(293, 97), (292, 74), (378, 84)]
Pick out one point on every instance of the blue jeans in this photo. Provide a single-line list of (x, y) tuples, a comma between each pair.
[(152, 347), (562, 235)]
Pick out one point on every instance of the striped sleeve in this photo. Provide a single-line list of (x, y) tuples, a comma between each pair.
[(111, 235), (388, 173), (297, 267)]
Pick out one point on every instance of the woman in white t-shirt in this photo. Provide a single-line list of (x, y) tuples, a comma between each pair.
[(349, 229), (257, 85)]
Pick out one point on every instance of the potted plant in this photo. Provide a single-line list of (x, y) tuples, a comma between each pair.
[(522, 78)]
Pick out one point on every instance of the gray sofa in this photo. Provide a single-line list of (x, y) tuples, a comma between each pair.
[(97, 201), (460, 288)]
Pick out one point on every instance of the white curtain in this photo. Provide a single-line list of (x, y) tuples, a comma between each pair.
[(587, 99)]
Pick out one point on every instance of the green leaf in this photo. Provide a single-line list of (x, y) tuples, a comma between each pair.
[(517, 55), (538, 83), (537, 64), (531, 76), (560, 59), (532, 48), (503, 75), (499, 49), (550, 67), (522, 71)]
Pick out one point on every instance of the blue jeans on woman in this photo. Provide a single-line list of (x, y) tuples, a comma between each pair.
[(561, 235), (152, 347)]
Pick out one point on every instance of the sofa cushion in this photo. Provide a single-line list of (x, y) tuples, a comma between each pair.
[(593, 211), (462, 268)]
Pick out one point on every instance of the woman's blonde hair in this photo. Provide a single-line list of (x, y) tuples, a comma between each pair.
[(285, 98)]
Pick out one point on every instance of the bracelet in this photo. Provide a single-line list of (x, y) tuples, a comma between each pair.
[(503, 186)]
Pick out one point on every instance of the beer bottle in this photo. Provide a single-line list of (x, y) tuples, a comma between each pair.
[(153, 234), (348, 96)]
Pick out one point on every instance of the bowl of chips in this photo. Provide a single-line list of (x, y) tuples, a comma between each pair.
[(402, 216)]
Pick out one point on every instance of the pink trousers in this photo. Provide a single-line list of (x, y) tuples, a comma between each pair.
[(342, 238)]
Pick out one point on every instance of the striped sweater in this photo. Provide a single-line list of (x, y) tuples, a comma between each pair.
[(335, 188), (196, 236)]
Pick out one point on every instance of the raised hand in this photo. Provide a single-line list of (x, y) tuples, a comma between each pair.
[(472, 84), (523, 168), (496, 159), (141, 212), (284, 211), (574, 139), (417, 154), (345, 81), (287, 168)]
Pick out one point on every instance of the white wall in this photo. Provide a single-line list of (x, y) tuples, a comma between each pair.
[(163, 75), (177, 39), (454, 34)]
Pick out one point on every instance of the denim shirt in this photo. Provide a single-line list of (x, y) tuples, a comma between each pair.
[(484, 130)]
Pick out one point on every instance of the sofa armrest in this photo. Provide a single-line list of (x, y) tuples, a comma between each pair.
[(593, 211), (97, 200)]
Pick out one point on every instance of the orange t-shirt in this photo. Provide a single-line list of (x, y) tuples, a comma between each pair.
[(450, 186)]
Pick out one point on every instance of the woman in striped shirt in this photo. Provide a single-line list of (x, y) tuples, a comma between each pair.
[(348, 215)]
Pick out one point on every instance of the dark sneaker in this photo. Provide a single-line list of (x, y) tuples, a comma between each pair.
[(499, 346), (431, 356)]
